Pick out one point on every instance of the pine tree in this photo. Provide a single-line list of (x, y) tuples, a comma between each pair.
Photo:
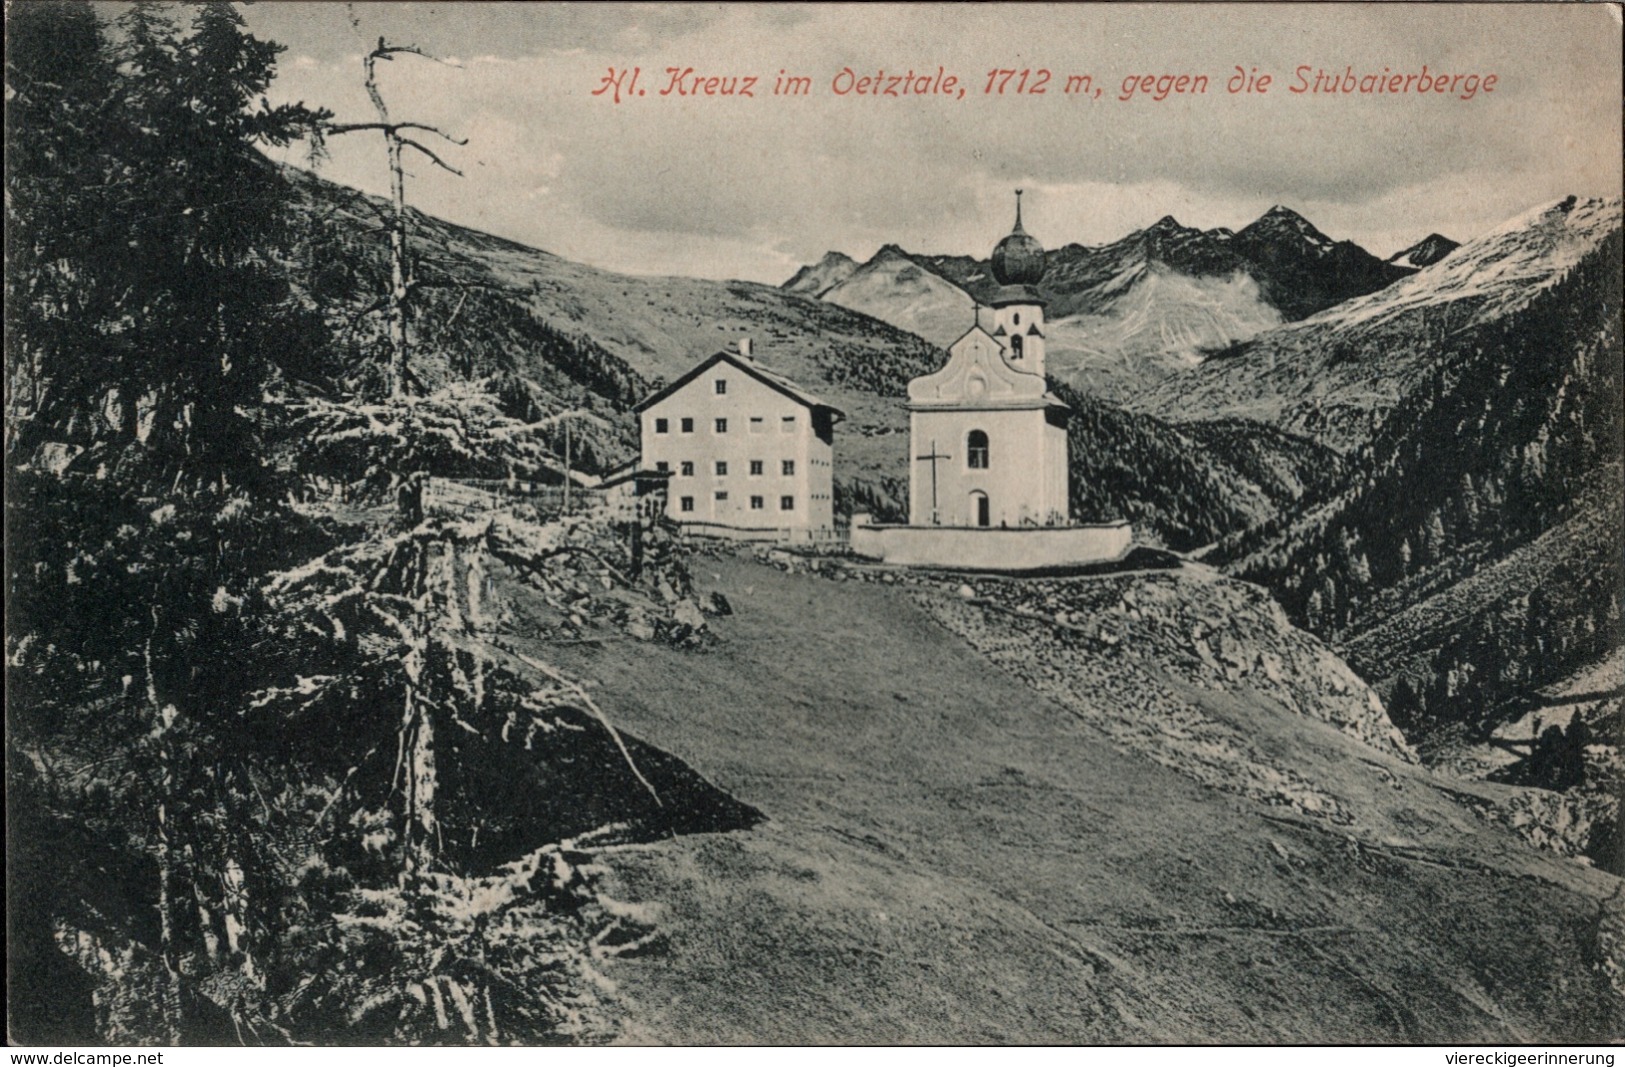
[(205, 291), (60, 88), (144, 228)]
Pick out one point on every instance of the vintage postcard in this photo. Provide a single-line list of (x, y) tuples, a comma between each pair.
[(809, 524)]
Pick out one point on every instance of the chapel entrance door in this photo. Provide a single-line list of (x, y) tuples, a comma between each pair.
[(983, 513)]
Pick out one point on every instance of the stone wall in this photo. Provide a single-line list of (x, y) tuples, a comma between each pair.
[(1023, 548)]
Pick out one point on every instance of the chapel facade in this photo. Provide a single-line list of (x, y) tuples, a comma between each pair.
[(989, 441)]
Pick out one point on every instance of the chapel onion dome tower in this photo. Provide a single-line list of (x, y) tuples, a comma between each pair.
[(1019, 258), (1018, 310)]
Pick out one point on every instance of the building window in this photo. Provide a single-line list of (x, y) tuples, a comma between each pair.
[(757, 503), (722, 468), (687, 469), (722, 426), (1015, 347), (787, 424), (1016, 320), (756, 467), (722, 494), (976, 450), (688, 425), (662, 425), (662, 465), (758, 424), (787, 503), (722, 386), (788, 468), (686, 503)]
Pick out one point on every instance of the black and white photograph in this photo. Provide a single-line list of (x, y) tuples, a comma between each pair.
[(745, 524)]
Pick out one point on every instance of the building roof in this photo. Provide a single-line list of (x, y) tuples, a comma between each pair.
[(628, 471), (770, 378), (974, 329)]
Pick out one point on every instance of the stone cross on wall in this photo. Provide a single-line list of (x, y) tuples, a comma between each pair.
[(933, 457)]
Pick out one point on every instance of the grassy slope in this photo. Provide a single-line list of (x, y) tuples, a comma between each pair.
[(662, 326), (949, 856)]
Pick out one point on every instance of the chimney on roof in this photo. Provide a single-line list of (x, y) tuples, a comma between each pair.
[(744, 347)]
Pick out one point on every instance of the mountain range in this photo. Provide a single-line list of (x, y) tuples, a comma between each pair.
[(1336, 374), (1129, 313)]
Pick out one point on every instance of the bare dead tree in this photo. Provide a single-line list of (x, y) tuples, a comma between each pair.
[(397, 137)]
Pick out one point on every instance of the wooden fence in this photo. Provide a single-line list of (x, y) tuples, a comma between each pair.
[(632, 505), (467, 497), (769, 534)]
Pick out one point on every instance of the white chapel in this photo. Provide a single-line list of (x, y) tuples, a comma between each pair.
[(989, 443)]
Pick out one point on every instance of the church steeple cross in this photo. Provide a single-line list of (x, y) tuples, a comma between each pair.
[(1018, 228), (932, 457)]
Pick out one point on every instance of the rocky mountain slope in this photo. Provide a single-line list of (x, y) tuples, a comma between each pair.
[(1128, 313), (1134, 808), (1302, 270), (1336, 374), (1154, 322), (816, 279), (893, 288), (1424, 253), (1473, 557)]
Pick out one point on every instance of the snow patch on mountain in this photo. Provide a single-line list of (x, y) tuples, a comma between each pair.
[(1499, 271), (1333, 375)]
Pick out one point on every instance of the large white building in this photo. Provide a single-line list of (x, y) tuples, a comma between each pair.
[(989, 439), (747, 449)]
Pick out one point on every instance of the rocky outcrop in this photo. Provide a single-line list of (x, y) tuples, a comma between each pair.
[(1173, 665)]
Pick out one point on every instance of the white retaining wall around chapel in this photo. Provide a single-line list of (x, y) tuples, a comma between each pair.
[(983, 548)]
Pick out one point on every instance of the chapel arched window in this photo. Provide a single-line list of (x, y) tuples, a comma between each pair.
[(976, 451)]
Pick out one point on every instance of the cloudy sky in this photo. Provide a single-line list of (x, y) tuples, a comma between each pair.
[(752, 188)]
